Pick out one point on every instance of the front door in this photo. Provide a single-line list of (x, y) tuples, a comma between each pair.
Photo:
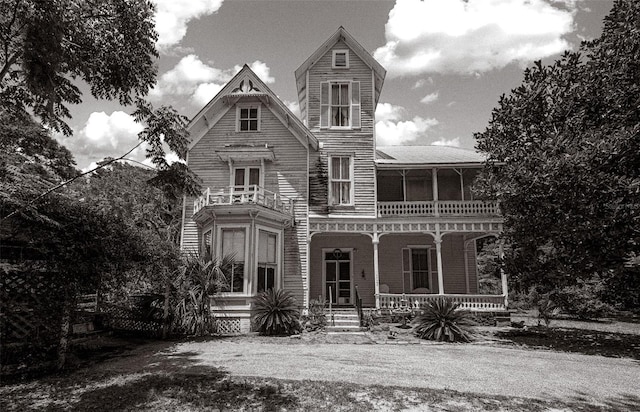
[(337, 266)]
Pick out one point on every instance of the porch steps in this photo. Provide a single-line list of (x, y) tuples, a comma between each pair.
[(345, 320)]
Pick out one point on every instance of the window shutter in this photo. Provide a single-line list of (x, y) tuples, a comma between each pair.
[(355, 105), (406, 268), (324, 105)]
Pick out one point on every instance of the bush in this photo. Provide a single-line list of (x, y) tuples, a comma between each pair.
[(276, 313), (441, 320), (583, 300), (316, 320)]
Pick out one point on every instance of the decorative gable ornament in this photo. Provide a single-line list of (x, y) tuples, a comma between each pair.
[(246, 87)]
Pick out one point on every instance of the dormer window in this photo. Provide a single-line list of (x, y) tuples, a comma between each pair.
[(340, 59), (248, 118)]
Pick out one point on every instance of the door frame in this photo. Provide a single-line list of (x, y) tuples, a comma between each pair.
[(324, 273)]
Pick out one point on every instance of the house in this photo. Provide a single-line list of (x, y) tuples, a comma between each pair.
[(312, 206)]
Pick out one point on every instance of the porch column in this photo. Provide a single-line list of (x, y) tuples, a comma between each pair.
[(434, 188), (503, 276), (438, 242), (376, 272)]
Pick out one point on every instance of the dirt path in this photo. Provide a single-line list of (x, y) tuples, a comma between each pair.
[(466, 368)]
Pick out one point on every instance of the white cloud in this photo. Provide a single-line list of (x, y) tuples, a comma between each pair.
[(470, 36), (172, 17), (294, 107), (201, 81), (444, 142), (103, 136), (422, 82), (392, 130), (430, 98)]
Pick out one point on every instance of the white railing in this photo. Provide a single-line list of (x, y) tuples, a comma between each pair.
[(255, 195), (477, 303), (439, 208)]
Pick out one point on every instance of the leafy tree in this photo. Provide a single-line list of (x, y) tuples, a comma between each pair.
[(48, 47), (564, 150)]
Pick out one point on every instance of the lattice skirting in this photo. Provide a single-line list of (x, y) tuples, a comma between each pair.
[(228, 326)]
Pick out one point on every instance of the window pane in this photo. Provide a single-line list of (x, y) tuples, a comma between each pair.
[(335, 94), (239, 177), (346, 193), (237, 283), (254, 176), (335, 168), (331, 272), (344, 168), (344, 94), (244, 125), (244, 113), (253, 125), (335, 116), (233, 243), (253, 113), (271, 278), (335, 193), (344, 270), (261, 279)]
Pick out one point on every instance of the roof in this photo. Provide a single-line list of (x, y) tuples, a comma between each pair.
[(427, 155), (247, 84)]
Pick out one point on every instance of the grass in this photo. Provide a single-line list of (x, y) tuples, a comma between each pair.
[(127, 374)]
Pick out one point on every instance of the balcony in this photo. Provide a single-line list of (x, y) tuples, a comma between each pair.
[(439, 208), (256, 195)]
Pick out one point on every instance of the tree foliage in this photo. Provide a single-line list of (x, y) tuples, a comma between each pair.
[(564, 150)]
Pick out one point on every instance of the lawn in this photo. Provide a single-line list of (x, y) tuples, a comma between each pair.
[(113, 373)]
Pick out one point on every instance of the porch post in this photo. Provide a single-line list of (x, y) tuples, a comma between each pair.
[(434, 188), (503, 276), (376, 273), (438, 242)]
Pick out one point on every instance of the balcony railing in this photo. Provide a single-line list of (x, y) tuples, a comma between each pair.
[(477, 303), (439, 208), (255, 195)]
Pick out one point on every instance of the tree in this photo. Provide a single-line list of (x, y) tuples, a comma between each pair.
[(46, 47), (564, 150)]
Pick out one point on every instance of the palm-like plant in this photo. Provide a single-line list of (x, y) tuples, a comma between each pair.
[(441, 320), (199, 278), (276, 313)]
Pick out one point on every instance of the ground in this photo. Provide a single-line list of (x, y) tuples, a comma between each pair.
[(316, 371)]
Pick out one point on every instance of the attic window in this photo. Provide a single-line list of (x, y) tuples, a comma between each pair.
[(340, 59), (248, 118)]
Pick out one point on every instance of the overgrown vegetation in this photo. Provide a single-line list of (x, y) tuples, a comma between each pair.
[(276, 312), (564, 149), (316, 318), (441, 320)]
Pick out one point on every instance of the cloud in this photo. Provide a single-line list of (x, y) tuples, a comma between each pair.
[(392, 130), (430, 98), (471, 36), (201, 81), (294, 107), (422, 82), (105, 135), (444, 142), (172, 17)]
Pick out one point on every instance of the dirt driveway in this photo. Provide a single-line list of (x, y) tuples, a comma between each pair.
[(467, 368)]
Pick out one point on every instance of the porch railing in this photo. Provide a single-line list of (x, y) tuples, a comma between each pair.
[(439, 208), (478, 303), (255, 195)]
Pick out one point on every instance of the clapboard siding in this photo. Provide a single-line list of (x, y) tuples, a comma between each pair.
[(286, 175), (358, 143)]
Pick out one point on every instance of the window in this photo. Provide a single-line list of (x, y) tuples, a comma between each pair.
[(340, 59), (341, 181), (416, 264), (340, 105), (267, 263), (206, 249), (248, 118), (233, 244), (246, 179)]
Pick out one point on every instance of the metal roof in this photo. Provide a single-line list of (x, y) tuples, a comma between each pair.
[(427, 155)]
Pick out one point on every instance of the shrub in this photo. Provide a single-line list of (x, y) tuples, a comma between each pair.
[(583, 300), (441, 320), (276, 313), (316, 319)]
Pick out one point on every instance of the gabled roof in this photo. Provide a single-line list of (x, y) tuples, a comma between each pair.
[(396, 156), (247, 84), (351, 42)]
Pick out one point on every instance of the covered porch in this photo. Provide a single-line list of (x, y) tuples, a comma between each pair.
[(402, 265)]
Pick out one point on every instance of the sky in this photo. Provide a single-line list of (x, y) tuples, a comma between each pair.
[(447, 61)]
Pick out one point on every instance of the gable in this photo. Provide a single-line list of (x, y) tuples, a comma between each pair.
[(246, 86)]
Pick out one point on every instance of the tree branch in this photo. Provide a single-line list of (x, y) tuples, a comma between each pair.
[(66, 182)]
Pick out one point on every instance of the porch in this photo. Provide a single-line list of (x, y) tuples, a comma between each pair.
[(389, 302)]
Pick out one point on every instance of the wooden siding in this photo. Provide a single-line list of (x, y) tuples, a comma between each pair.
[(358, 143), (286, 175), (362, 260)]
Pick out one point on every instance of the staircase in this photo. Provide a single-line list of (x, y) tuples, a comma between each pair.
[(345, 320)]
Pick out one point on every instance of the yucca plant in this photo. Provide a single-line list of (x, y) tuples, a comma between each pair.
[(275, 312), (199, 279), (441, 320)]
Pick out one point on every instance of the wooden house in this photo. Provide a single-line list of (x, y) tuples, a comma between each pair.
[(312, 206)]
